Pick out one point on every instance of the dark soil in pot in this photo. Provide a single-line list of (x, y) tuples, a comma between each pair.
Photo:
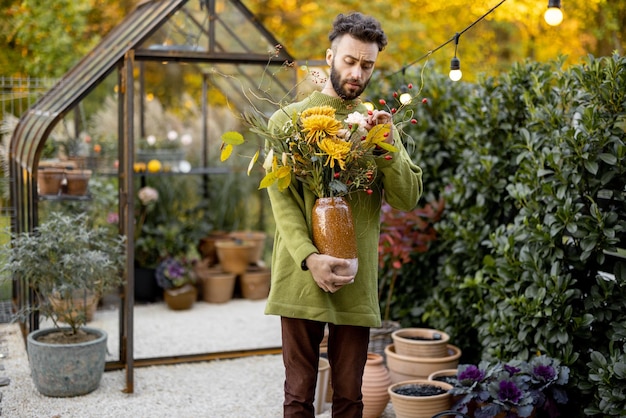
[(419, 390), (446, 379), (434, 337)]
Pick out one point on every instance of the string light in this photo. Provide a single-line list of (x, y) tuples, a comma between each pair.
[(554, 15), (455, 63), (454, 38)]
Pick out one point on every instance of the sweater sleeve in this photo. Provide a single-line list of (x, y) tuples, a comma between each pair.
[(290, 207), (402, 179)]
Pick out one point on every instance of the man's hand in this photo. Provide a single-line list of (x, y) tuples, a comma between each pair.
[(324, 267), (379, 117)]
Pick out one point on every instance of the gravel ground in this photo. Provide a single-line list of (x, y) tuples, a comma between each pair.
[(249, 387)]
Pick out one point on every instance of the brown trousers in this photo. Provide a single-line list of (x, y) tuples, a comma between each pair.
[(347, 354)]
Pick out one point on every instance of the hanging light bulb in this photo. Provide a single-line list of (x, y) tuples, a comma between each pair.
[(405, 96), (455, 63), (455, 69), (554, 15)]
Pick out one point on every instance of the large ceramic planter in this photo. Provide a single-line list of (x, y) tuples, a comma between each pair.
[(406, 406), (62, 370), (376, 381), (255, 283), (333, 231), (180, 298), (403, 368), (420, 342)]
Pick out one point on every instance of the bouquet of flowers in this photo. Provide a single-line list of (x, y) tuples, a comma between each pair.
[(515, 388), (330, 157)]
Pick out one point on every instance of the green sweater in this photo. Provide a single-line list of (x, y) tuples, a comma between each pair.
[(293, 292)]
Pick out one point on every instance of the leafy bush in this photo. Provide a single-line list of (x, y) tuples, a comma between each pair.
[(531, 166)]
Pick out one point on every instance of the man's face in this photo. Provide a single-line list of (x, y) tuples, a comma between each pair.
[(351, 65)]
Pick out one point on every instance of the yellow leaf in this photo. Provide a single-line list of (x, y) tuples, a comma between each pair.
[(284, 182), (226, 151), (268, 180), (376, 135), (387, 147), (253, 160), (232, 138)]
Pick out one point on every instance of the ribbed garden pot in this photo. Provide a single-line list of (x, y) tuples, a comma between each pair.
[(333, 231), (376, 381), (63, 370), (420, 342), (419, 406), (409, 367)]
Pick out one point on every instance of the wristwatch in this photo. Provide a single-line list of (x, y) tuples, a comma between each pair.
[(303, 265)]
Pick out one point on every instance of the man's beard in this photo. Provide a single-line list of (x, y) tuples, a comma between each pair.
[(338, 86)]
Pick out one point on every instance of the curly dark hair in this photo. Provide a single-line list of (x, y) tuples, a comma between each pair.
[(362, 27)]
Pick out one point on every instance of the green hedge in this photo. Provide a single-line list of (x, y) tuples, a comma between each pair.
[(531, 166)]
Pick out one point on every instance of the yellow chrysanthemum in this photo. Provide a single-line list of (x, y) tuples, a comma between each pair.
[(318, 110), (318, 127), (337, 150)]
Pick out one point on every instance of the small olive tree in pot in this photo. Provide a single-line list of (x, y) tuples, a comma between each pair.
[(67, 264)]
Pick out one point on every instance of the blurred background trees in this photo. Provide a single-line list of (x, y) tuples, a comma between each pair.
[(44, 39)]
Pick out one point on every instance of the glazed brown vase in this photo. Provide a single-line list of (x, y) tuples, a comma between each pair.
[(333, 230), (376, 381)]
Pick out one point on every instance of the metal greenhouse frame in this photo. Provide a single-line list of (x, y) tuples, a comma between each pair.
[(197, 32)]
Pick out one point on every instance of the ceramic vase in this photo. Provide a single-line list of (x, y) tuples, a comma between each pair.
[(333, 231), (376, 381), (180, 298)]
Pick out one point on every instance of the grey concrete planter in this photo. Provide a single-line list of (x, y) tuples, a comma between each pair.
[(62, 370)]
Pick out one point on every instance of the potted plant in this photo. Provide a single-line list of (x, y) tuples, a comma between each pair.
[(515, 389), (65, 261), (175, 275), (419, 398)]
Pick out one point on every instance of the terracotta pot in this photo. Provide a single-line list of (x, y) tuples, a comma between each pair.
[(419, 406), (180, 298), (49, 180), (206, 247), (333, 230), (234, 256), (255, 283), (77, 182), (217, 286), (255, 238), (443, 373), (409, 367), (79, 305), (420, 342), (321, 387), (376, 381)]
